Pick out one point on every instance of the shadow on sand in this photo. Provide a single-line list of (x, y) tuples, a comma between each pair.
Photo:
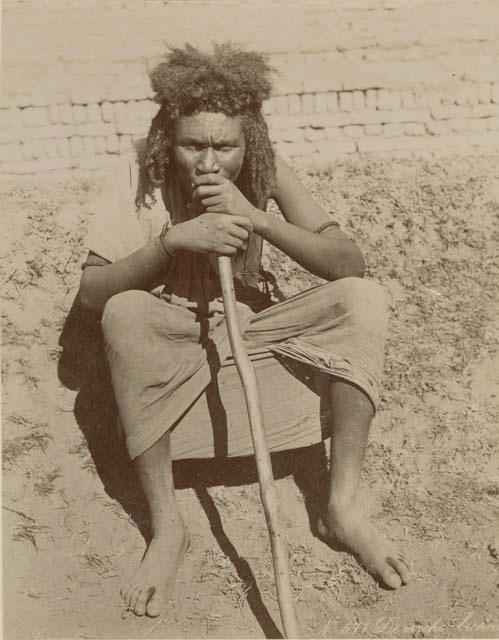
[(83, 368)]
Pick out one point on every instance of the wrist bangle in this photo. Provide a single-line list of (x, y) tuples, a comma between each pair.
[(326, 225), (162, 236)]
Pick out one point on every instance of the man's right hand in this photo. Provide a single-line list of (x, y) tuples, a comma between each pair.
[(217, 233)]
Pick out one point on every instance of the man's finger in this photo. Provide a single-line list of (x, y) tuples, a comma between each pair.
[(239, 232), (205, 190), (242, 221), (207, 178), (237, 243), (228, 250), (213, 202)]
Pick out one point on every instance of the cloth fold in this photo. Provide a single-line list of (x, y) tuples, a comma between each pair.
[(158, 377)]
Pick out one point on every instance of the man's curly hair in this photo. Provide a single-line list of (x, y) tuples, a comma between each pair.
[(230, 81)]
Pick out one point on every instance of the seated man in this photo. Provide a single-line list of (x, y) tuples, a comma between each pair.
[(152, 271)]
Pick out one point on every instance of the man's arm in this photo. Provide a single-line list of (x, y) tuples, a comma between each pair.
[(145, 268), (330, 255), (101, 279)]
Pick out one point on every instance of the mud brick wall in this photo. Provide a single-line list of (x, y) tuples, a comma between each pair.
[(405, 123), (379, 76)]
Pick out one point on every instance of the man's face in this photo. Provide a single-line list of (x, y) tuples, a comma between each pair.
[(207, 143)]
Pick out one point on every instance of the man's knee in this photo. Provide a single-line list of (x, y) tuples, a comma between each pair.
[(363, 300), (362, 288), (124, 313)]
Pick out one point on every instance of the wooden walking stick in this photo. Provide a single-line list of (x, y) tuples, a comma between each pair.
[(268, 492)]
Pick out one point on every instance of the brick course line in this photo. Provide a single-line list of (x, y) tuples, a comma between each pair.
[(461, 118)]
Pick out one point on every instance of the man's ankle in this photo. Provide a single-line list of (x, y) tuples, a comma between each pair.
[(341, 505), (168, 525)]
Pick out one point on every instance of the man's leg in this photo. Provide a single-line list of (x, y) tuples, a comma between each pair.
[(152, 585), (348, 320), (138, 354), (351, 413)]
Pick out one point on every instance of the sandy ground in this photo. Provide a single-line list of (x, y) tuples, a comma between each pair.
[(73, 516)]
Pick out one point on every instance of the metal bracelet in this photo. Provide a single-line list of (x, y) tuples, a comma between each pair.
[(326, 225), (162, 235)]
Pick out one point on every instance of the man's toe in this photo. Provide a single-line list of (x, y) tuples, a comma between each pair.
[(154, 605), (390, 577), (130, 597), (139, 606), (401, 567), (126, 592)]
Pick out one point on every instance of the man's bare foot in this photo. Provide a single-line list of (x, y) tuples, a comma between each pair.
[(152, 585), (379, 556)]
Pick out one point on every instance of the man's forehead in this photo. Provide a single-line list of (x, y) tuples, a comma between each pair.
[(209, 125)]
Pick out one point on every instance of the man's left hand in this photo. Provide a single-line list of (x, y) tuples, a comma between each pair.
[(218, 194)]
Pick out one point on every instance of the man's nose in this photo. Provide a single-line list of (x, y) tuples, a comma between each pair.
[(208, 162)]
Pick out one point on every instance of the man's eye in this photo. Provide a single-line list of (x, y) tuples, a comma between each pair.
[(224, 149), (194, 147)]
